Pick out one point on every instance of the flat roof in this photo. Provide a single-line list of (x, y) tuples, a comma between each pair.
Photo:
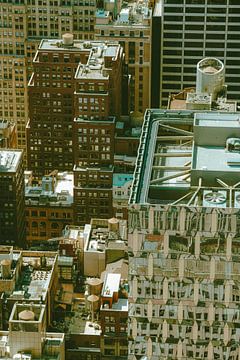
[(183, 154), (111, 284), (121, 304), (120, 179), (60, 191), (9, 160), (35, 279)]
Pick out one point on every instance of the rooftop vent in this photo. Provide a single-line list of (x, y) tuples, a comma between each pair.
[(214, 198)]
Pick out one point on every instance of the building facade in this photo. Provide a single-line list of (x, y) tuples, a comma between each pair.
[(113, 319), (27, 335), (23, 25), (77, 93), (49, 207), (12, 207), (99, 100), (190, 31), (131, 26), (183, 237)]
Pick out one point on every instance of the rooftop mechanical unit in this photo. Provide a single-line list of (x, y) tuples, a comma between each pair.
[(237, 199), (213, 198)]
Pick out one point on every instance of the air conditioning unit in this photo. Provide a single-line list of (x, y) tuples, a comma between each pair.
[(237, 199), (212, 198)]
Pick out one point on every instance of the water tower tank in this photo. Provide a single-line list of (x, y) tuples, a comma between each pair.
[(210, 77), (67, 39), (113, 224), (6, 268), (94, 302), (94, 286), (26, 315)]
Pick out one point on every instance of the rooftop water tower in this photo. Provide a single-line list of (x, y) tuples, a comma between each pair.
[(210, 77)]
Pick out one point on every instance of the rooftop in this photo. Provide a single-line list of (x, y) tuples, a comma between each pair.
[(101, 235), (96, 52), (35, 276), (120, 305), (9, 160), (132, 13), (121, 179), (54, 191), (95, 67), (188, 158), (111, 284)]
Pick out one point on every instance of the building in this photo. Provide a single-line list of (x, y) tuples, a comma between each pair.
[(27, 335), (106, 243), (24, 24), (12, 208), (70, 65), (130, 25), (86, 98), (8, 135), (121, 191), (49, 207), (113, 318), (27, 277), (99, 98), (51, 110), (27, 338), (183, 237), (188, 31)]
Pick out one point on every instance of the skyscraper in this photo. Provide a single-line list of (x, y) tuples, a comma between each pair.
[(23, 24), (191, 30), (131, 26), (76, 94), (184, 237)]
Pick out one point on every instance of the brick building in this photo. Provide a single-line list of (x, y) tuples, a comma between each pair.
[(49, 207), (77, 92), (12, 208)]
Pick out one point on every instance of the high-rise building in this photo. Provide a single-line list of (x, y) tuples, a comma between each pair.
[(99, 99), (23, 24), (130, 25), (12, 207), (190, 31), (77, 92), (51, 110), (183, 237)]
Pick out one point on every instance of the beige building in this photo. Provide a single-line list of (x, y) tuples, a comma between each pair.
[(27, 277), (27, 337), (184, 237), (22, 25), (131, 26), (105, 243)]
